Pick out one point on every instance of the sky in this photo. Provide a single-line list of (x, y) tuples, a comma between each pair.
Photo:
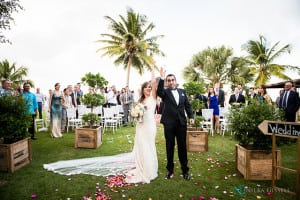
[(56, 39)]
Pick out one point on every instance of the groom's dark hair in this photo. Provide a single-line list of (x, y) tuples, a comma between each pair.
[(171, 75)]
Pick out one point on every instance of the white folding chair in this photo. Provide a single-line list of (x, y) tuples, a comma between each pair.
[(82, 109), (223, 118), (209, 122), (109, 119), (72, 121), (40, 125), (118, 115)]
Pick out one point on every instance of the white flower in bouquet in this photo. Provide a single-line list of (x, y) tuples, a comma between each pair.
[(137, 111)]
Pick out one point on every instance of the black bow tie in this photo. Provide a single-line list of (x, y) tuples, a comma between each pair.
[(173, 89)]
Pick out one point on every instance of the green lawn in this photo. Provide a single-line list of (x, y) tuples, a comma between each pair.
[(213, 173)]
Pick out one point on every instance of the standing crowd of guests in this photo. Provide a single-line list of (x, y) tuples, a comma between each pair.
[(288, 100), (60, 100)]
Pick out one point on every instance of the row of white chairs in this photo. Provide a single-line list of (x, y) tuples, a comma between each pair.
[(208, 123)]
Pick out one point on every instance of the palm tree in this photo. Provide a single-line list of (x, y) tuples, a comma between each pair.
[(212, 63), (130, 44), (239, 72), (14, 73), (261, 58)]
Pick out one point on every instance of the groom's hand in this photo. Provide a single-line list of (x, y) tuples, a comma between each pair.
[(162, 72), (192, 121)]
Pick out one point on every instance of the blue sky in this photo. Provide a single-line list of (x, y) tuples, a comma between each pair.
[(55, 39)]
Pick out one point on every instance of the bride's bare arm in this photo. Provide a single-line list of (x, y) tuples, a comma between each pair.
[(153, 82)]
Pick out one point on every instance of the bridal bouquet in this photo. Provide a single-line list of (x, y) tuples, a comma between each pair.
[(137, 111)]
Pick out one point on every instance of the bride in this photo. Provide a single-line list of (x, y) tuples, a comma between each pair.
[(140, 165)]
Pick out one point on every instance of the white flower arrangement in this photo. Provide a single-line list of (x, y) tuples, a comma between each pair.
[(137, 111)]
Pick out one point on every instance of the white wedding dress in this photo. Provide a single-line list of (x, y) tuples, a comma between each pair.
[(140, 165)]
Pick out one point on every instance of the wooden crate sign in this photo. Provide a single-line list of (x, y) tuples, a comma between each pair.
[(16, 155), (88, 137), (197, 140)]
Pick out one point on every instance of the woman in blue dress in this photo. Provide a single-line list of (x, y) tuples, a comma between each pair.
[(213, 104)]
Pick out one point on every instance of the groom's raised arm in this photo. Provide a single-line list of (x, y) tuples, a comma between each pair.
[(160, 89)]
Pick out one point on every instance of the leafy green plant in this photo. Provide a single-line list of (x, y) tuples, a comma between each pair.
[(244, 123), (91, 119), (92, 100), (197, 121), (194, 88), (196, 105), (14, 120)]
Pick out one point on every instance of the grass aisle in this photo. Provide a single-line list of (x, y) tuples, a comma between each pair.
[(213, 172)]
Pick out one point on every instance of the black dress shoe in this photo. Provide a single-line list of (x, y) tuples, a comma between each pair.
[(169, 175), (186, 177)]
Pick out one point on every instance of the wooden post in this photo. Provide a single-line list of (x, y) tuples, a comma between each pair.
[(298, 170), (274, 165)]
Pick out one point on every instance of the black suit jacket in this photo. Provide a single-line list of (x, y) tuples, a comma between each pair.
[(232, 99), (171, 111), (292, 102), (221, 98)]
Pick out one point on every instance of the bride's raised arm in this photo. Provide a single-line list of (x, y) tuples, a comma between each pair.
[(153, 81)]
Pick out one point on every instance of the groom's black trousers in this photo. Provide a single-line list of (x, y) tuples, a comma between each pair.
[(179, 132)]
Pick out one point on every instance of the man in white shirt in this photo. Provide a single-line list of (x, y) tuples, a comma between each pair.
[(40, 98), (111, 97)]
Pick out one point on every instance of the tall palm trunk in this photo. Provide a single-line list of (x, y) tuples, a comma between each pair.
[(128, 70)]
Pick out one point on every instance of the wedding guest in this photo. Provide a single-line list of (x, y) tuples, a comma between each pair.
[(263, 96), (112, 96), (40, 98), (32, 107), (6, 88), (79, 92), (66, 103), (236, 97), (289, 101), (213, 104), (251, 95), (278, 98), (241, 90), (72, 95), (220, 94), (176, 106), (77, 96), (56, 111), (127, 101)]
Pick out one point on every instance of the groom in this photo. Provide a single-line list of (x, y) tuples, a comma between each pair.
[(175, 123)]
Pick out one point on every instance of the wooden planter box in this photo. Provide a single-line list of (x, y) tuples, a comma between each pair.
[(256, 164), (16, 155), (86, 137), (197, 139)]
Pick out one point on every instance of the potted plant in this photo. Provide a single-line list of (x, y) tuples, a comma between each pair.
[(253, 153), (15, 145), (197, 137), (90, 135)]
